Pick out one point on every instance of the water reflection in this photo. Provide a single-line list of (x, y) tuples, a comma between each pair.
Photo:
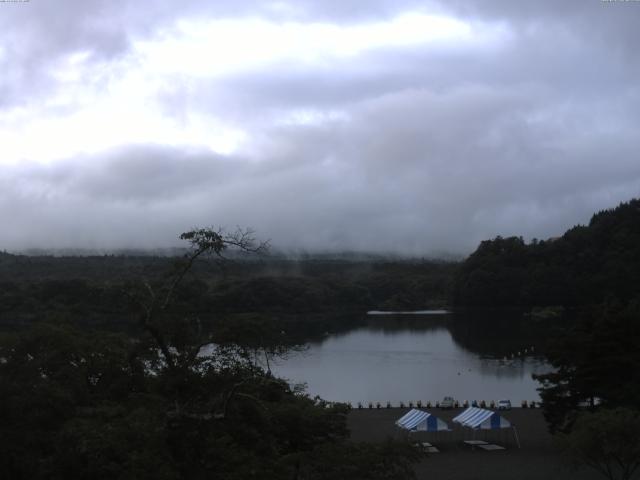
[(418, 358), (497, 333)]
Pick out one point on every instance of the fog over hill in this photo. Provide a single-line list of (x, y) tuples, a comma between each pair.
[(271, 256)]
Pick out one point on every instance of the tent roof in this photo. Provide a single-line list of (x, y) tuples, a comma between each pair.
[(422, 421), (481, 418)]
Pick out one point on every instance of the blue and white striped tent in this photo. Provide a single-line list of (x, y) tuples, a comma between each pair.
[(479, 418), (419, 421)]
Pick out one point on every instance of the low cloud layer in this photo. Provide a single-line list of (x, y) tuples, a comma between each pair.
[(122, 125)]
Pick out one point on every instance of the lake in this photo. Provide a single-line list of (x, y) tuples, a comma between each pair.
[(425, 357)]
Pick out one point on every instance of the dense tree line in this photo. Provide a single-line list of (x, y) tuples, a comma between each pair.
[(587, 265), (92, 289), (596, 360)]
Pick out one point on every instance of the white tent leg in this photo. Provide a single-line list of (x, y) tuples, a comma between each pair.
[(515, 434)]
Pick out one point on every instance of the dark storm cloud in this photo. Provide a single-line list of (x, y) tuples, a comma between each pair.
[(134, 196), (138, 174), (444, 171), (395, 176), (414, 149)]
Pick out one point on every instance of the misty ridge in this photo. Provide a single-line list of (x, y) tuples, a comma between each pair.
[(273, 254), (584, 265)]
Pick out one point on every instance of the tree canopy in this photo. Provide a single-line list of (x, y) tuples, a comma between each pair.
[(586, 265), (596, 360), (607, 441), (166, 402)]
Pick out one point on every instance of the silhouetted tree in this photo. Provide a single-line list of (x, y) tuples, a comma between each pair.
[(607, 441), (595, 361)]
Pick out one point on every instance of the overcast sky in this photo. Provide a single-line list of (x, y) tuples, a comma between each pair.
[(371, 125)]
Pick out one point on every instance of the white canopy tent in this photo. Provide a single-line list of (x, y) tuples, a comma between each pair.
[(479, 418), (419, 421), (482, 419)]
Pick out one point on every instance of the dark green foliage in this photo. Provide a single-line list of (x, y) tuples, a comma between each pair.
[(93, 290), (586, 265), (494, 274), (607, 441), (49, 377), (76, 404), (596, 357), (165, 402)]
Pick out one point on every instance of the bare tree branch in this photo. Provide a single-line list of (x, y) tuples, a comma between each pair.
[(202, 241)]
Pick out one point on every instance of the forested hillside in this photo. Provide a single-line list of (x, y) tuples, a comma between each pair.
[(587, 265), (94, 289)]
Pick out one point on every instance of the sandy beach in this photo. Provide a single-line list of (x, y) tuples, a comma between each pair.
[(536, 459)]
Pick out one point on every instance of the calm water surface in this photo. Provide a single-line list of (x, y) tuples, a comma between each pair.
[(394, 360)]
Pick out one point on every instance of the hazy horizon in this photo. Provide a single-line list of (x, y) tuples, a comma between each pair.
[(270, 254)]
